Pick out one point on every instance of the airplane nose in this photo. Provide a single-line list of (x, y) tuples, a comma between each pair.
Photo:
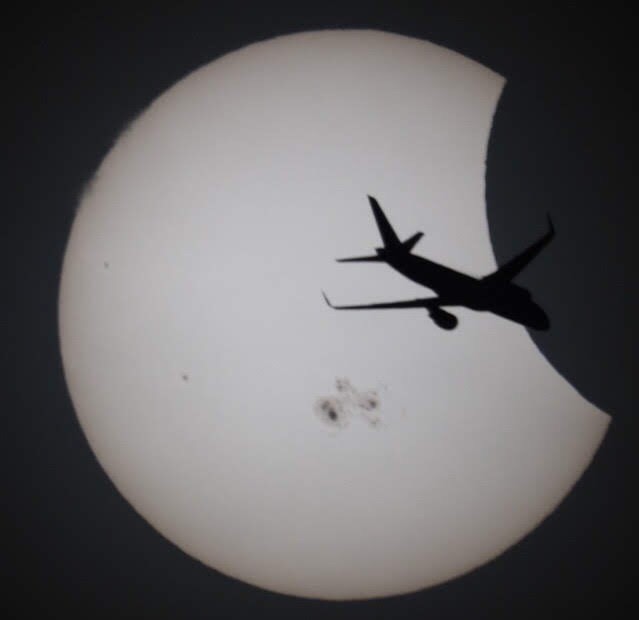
[(539, 320)]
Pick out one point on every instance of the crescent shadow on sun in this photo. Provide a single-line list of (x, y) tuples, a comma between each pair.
[(526, 178)]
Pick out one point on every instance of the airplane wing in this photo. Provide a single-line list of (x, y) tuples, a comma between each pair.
[(361, 259), (514, 266), (424, 302)]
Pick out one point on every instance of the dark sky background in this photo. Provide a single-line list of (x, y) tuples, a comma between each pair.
[(561, 144)]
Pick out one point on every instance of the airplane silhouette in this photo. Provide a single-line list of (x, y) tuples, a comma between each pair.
[(494, 293)]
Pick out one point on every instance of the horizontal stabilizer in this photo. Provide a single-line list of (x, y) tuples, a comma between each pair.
[(410, 243), (361, 259)]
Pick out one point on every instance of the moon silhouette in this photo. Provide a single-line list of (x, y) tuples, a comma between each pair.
[(306, 451)]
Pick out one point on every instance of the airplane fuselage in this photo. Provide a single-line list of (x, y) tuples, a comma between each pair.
[(459, 289)]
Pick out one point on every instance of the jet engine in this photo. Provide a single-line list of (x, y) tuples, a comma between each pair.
[(443, 319)]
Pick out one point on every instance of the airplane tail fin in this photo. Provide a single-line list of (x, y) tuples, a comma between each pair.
[(389, 237)]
